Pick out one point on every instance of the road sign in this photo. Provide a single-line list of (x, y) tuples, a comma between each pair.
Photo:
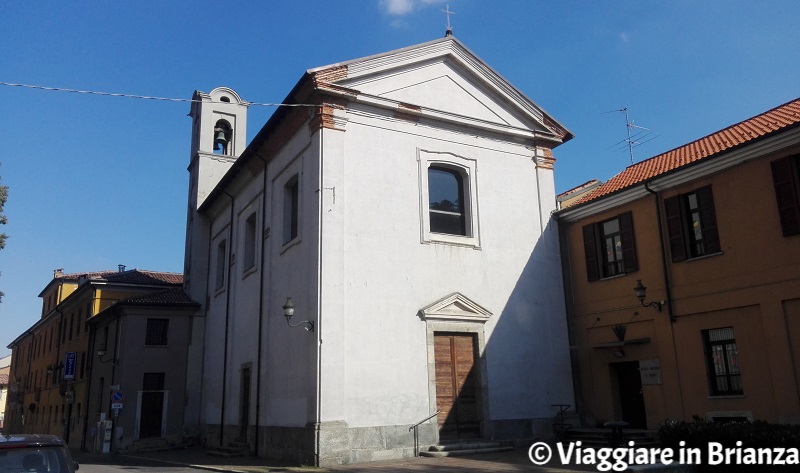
[(116, 405), (117, 396), (70, 359)]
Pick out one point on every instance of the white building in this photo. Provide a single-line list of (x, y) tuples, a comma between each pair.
[(404, 206)]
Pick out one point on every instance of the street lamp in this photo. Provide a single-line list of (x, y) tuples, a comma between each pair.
[(288, 312), (101, 354), (641, 293)]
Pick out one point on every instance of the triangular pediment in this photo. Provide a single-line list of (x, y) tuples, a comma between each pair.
[(443, 79), (455, 307)]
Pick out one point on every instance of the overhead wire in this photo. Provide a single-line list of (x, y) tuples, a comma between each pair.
[(145, 97)]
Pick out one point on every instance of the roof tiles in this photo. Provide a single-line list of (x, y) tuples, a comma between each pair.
[(779, 118)]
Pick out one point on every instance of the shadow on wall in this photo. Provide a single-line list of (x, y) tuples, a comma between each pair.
[(510, 392)]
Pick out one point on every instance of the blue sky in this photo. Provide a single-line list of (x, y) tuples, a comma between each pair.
[(99, 181)]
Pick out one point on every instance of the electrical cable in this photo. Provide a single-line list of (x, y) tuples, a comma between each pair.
[(146, 97)]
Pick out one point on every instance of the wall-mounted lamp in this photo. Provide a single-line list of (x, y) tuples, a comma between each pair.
[(101, 354), (641, 293), (619, 353), (288, 312)]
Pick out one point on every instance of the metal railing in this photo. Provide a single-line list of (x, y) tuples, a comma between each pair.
[(416, 431)]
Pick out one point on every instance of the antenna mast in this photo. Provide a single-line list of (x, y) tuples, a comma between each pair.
[(633, 136)]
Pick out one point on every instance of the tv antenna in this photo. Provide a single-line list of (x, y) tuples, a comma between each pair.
[(637, 135)]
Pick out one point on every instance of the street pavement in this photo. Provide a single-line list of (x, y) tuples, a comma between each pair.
[(513, 461)]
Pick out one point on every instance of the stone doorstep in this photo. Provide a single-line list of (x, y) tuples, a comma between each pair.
[(475, 451), (464, 448)]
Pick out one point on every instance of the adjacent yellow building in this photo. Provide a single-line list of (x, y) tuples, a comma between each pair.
[(50, 367), (682, 281)]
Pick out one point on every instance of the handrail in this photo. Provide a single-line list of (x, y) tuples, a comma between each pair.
[(423, 420), (416, 431)]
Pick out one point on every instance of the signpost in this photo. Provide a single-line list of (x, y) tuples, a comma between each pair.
[(70, 361)]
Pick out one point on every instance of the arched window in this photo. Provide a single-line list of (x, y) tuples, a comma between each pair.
[(446, 201)]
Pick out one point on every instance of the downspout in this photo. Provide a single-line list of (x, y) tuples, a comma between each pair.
[(227, 316), (88, 392), (260, 302), (667, 289), (114, 361), (320, 202)]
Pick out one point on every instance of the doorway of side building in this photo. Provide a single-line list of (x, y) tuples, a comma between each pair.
[(151, 418), (244, 401), (629, 399), (457, 397)]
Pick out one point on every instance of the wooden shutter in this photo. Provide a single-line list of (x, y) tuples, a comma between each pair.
[(708, 218), (628, 242), (784, 178), (590, 250), (672, 208)]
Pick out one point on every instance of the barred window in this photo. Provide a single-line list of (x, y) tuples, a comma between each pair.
[(722, 358), (156, 332)]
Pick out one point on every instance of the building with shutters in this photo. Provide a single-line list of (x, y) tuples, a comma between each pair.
[(52, 361), (682, 278), (401, 202)]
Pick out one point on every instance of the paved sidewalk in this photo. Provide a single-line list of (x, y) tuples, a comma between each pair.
[(514, 461)]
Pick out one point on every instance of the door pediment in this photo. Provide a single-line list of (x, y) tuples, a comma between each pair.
[(455, 307)]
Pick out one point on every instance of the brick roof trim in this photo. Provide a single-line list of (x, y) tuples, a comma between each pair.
[(778, 119)]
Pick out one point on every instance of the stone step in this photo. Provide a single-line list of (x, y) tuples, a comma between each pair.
[(475, 451), (464, 448)]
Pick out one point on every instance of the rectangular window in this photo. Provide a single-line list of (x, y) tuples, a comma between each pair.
[(250, 242), (156, 332), (291, 209), (692, 225), (786, 179), (722, 359), (220, 274), (610, 247), (153, 382)]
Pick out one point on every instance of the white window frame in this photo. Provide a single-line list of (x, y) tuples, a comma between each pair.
[(468, 168)]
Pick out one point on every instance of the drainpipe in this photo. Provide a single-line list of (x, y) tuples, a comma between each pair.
[(114, 362), (667, 288), (90, 362), (227, 316), (260, 302), (320, 199)]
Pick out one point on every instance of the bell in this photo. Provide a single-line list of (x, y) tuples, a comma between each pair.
[(219, 138)]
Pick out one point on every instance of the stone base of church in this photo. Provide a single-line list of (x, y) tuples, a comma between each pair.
[(335, 443)]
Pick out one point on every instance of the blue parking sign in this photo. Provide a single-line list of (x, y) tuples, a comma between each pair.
[(69, 364)]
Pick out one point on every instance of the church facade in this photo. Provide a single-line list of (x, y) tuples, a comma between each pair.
[(398, 208)]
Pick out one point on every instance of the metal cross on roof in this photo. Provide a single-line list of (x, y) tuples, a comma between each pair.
[(448, 12)]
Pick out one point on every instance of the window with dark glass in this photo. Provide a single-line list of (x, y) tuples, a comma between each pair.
[(722, 358), (786, 179), (291, 209), (250, 242), (446, 201), (692, 224), (153, 382), (156, 332), (220, 273), (610, 247)]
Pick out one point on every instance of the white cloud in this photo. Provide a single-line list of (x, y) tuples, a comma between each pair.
[(404, 7), (624, 37)]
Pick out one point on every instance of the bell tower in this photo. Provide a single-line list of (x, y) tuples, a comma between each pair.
[(219, 126)]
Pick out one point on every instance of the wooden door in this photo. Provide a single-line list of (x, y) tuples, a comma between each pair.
[(456, 386)]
